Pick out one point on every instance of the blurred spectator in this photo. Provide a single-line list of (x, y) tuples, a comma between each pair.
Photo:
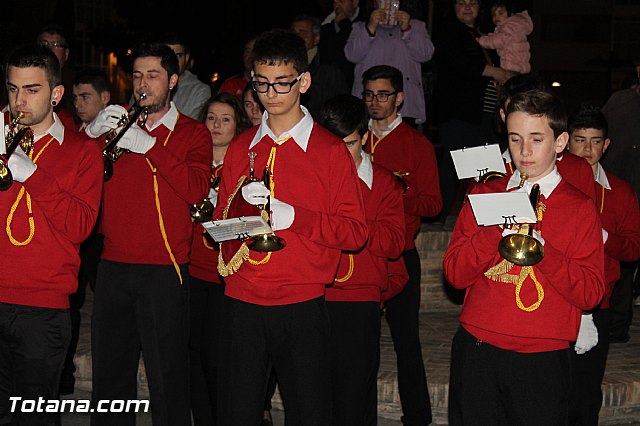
[(236, 83), (327, 80), (335, 32), (190, 94), (403, 45), (252, 105), (466, 80), (91, 93)]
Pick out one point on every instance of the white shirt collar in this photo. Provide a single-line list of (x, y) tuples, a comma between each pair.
[(217, 164), (547, 183), (56, 130), (601, 177), (169, 119), (365, 170), (507, 156), (395, 123), (299, 133)]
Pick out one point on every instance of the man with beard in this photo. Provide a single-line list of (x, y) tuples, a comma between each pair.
[(49, 209), (142, 295), (401, 149)]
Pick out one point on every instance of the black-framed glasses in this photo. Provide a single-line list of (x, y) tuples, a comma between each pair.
[(368, 96), (55, 44), (280, 87)]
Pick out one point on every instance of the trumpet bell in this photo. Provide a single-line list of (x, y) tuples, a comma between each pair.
[(202, 212), (6, 178), (265, 243), (521, 249)]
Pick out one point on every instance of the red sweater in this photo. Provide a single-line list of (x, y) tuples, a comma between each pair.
[(575, 170), (322, 185), (65, 195), (204, 254), (620, 216), (385, 221), (407, 150), (571, 274), (130, 220)]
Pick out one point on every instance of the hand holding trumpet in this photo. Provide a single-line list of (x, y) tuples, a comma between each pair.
[(106, 120)]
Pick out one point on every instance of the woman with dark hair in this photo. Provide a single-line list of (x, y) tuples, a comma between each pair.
[(466, 95), (225, 118), (252, 105)]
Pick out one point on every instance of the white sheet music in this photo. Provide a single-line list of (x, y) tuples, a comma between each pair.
[(476, 161), (502, 207), (236, 228)]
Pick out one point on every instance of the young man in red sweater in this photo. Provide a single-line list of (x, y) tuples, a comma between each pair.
[(275, 313), (509, 360), (402, 150), (355, 297), (142, 291), (617, 203), (49, 210)]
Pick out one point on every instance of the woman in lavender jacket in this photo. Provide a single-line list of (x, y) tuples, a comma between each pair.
[(404, 45)]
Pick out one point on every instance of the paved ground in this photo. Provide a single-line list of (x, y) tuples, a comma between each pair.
[(621, 384)]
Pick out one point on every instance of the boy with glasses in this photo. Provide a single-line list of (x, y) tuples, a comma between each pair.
[(275, 313), (401, 149)]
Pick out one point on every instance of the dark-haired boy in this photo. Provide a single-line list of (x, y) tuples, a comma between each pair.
[(91, 94), (354, 299), (141, 298), (402, 150), (275, 313), (617, 203), (50, 208), (509, 360)]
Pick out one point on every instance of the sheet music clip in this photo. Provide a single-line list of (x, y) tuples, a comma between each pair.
[(509, 221)]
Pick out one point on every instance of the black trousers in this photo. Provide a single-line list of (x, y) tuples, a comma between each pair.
[(141, 308), (492, 386), (355, 357), (205, 308), (294, 339), (587, 373), (33, 344), (402, 316), (621, 303)]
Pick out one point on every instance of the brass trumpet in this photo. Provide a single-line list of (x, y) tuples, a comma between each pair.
[(111, 153), (22, 137), (269, 241), (489, 176), (523, 249), (203, 211)]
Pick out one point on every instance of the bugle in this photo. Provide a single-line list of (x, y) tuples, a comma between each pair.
[(14, 138)]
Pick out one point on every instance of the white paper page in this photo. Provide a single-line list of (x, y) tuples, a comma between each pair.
[(236, 228), (502, 207), (476, 161)]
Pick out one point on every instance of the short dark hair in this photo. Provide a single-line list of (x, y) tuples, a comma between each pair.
[(343, 115), (53, 28), (588, 117), (316, 25), (502, 3), (95, 77), (174, 38), (239, 114), (278, 46), (168, 59), (36, 56), (384, 72), (542, 104), (521, 83)]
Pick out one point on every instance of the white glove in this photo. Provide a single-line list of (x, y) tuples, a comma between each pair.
[(21, 165), (136, 140), (106, 120), (213, 197), (282, 214), (605, 236), (535, 234), (587, 335), (255, 193)]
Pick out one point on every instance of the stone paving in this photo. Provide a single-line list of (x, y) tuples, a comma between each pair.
[(621, 385)]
